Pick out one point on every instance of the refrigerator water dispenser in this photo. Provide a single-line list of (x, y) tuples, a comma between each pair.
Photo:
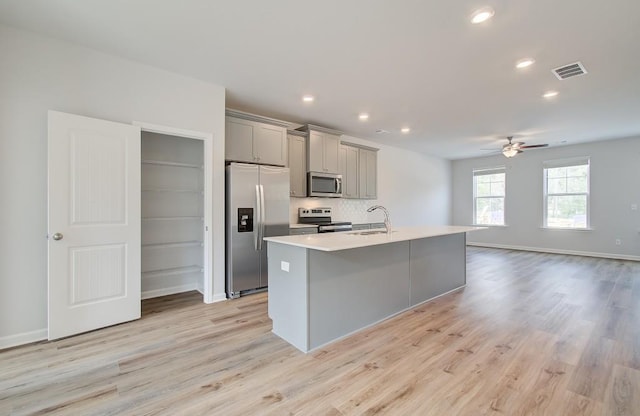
[(245, 220)]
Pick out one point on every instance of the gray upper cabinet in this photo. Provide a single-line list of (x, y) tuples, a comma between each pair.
[(349, 171), (323, 149), (297, 155), (359, 170), (316, 152), (255, 139), (331, 149), (368, 172)]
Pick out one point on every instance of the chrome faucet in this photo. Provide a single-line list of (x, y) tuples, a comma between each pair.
[(387, 220)]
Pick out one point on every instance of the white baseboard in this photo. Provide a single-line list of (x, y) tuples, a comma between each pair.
[(218, 297), (148, 294), (558, 251), (23, 338)]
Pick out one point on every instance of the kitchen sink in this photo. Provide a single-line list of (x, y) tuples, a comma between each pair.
[(370, 232)]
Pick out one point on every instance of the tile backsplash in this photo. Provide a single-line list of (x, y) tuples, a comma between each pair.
[(354, 210)]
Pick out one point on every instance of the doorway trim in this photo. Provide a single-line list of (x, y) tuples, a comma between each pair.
[(207, 138)]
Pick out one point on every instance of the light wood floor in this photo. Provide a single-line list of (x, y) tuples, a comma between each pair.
[(531, 334)]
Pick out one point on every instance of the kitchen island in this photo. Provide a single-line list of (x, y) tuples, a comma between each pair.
[(323, 287)]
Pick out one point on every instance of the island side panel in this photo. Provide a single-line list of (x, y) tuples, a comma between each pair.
[(352, 289), (288, 299), (438, 265)]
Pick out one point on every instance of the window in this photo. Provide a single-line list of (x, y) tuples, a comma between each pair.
[(566, 193), (488, 196)]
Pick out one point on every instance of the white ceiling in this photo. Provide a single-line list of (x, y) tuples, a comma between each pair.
[(417, 63)]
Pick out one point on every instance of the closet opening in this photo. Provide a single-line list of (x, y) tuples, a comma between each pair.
[(174, 223)]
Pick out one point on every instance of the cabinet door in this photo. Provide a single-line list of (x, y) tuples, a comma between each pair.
[(368, 161), (297, 166), (239, 140), (342, 154), (270, 144), (316, 152), (349, 171), (331, 151)]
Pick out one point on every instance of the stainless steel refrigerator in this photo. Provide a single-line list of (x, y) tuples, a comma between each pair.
[(257, 206)]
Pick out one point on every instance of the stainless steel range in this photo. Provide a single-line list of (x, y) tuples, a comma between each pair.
[(322, 218)]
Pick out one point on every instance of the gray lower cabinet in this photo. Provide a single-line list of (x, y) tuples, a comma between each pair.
[(360, 227), (253, 141), (297, 154), (367, 226), (303, 230)]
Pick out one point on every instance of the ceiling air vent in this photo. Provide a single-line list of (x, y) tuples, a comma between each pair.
[(568, 71), (381, 131)]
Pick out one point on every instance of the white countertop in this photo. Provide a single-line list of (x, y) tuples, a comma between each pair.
[(353, 239)]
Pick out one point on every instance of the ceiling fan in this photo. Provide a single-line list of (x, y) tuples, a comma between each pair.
[(513, 148)]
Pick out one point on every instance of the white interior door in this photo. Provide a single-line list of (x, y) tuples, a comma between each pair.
[(94, 224)]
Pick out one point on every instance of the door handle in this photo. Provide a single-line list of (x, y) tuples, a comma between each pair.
[(258, 219), (262, 216), (58, 236)]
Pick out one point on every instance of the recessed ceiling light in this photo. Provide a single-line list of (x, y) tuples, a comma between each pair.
[(308, 98), (482, 15), (405, 130), (363, 116), (523, 63), (550, 94)]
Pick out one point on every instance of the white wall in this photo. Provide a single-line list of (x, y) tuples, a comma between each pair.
[(416, 189), (615, 187), (38, 74)]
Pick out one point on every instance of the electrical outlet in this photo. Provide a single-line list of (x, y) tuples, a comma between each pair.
[(618, 242), (284, 265), (634, 207)]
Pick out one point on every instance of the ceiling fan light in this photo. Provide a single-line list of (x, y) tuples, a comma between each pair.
[(509, 151)]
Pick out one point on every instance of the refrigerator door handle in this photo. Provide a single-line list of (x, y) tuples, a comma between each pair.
[(258, 221), (263, 216)]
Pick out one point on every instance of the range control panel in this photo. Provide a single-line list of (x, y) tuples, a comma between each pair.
[(314, 212)]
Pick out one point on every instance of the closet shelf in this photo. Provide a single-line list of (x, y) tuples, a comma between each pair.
[(174, 244), (178, 270), (194, 191), (171, 218), (177, 164)]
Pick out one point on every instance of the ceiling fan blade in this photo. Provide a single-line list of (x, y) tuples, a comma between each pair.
[(533, 146)]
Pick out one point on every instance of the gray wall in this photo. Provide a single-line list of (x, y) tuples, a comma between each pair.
[(615, 187), (38, 74)]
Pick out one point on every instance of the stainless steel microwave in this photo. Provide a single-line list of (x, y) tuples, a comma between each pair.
[(328, 185)]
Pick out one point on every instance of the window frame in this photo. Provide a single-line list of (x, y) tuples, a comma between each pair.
[(560, 163), (489, 171)]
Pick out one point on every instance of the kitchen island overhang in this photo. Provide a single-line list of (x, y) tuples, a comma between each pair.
[(323, 287)]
